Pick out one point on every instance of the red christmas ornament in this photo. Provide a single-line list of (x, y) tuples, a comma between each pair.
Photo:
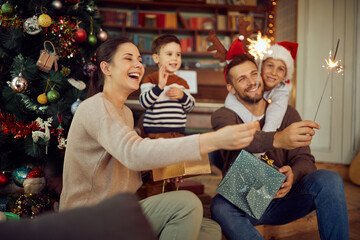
[(4, 179), (80, 35)]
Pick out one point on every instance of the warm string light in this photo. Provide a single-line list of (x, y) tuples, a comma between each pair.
[(331, 64), (271, 20)]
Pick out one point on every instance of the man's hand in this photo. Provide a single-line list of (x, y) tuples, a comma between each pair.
[(163, 77), (175, 93), (298, 134), (286, 186)]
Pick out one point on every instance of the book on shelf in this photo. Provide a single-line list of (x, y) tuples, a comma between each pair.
[(113, 17), (233, 20), (142, 41), (187, 44), (171, 20), (183, 21), (160, 19), (221, 22)]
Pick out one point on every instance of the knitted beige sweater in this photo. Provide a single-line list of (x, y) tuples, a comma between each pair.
[(104, 154)]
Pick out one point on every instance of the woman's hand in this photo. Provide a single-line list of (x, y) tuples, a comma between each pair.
[(229, 138)]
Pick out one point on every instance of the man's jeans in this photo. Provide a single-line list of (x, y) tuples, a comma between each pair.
[(322, 190)]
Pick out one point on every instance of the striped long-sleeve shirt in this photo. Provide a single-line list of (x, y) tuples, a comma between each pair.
[(162, 113)]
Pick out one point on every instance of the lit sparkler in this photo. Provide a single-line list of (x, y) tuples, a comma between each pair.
[(257, 49), (331, 64)]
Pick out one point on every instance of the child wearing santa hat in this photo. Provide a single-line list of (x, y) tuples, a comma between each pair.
[(277, 71)]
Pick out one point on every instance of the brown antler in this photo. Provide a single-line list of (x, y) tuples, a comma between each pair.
[(216, 45), (243, 25)]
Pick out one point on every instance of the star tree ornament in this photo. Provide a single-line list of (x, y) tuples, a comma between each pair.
[(32, 26), (19, 84)]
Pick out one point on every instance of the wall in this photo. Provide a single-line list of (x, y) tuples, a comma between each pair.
[(285, 25), (320, 24)]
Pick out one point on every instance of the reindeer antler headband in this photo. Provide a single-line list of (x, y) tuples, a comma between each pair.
[(236, 48)]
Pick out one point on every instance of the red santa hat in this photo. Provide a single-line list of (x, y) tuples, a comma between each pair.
[(285, 51), (236, 48)]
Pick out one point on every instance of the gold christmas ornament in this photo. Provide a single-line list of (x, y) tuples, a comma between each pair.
[(44, 19), (42, 99)]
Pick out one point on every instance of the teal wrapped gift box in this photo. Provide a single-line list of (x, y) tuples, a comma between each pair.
[(251, 184)]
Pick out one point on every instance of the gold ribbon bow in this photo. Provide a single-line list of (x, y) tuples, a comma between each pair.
[(267, 160)]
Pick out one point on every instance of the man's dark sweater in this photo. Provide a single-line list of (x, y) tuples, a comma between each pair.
[(300, 159)]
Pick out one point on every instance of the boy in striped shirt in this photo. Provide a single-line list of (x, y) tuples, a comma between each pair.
[(164, 95)]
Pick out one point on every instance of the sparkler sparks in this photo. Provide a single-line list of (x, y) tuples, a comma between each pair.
[(331, 64), (259, 47)]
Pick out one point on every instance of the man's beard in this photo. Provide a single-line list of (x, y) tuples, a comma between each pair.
[(248, 99)]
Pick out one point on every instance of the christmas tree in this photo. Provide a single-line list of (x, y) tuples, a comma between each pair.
[(46, 59)]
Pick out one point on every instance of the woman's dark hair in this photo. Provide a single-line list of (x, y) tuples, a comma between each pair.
[(104, 52), (238, 59), (162, 40)]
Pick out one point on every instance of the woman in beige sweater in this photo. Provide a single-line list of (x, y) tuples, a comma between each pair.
[(104, 155)]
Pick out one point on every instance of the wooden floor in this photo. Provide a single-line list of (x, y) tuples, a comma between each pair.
[(305, 228)]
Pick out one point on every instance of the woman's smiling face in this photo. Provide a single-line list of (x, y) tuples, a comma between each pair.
[(126, 69)]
